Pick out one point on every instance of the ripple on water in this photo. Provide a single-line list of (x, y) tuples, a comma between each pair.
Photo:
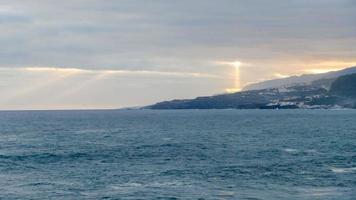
[(234, 154)]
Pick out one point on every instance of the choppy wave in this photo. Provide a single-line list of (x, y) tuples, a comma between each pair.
[(220, 154)]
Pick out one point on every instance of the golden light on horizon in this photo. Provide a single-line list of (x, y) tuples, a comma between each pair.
[(327, 66), (278, 75), (331, 64), (232, 90), (319, 71)]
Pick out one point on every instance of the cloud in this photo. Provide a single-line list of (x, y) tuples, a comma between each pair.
[(174, 40), (174, 35), (66, 70)]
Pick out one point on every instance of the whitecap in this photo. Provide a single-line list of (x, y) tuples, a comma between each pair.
[(322, 191), (343, 170), (289, 150)]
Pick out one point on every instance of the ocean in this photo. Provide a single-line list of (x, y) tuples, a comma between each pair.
[(182, 154)]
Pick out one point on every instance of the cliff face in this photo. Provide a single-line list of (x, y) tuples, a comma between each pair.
[(339, 92)]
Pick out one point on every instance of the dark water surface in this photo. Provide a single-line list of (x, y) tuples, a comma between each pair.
[(216, 154)]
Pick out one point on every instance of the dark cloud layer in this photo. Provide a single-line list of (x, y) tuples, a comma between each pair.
[(126, 34)]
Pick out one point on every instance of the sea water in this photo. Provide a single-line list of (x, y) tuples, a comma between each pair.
[(186, 154)]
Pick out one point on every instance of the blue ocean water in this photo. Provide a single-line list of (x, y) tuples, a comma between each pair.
[(188, 154)]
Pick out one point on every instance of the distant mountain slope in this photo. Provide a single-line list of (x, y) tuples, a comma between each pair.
[(303, 79), (328, 92), (344, 86), (292, 97)]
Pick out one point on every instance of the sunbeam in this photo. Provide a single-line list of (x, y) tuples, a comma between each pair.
[(237, 75), (46, 80)]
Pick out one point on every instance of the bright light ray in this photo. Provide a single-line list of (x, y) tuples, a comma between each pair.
[(36, 85), (83, 84), (237, 76), (55, 75)]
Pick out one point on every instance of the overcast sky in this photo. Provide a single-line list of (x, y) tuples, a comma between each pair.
[(116, 53)]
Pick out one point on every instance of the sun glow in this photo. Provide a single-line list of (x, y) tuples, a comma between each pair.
[(237, 75)]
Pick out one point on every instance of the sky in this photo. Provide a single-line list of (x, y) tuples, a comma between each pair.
[(92, 54)]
